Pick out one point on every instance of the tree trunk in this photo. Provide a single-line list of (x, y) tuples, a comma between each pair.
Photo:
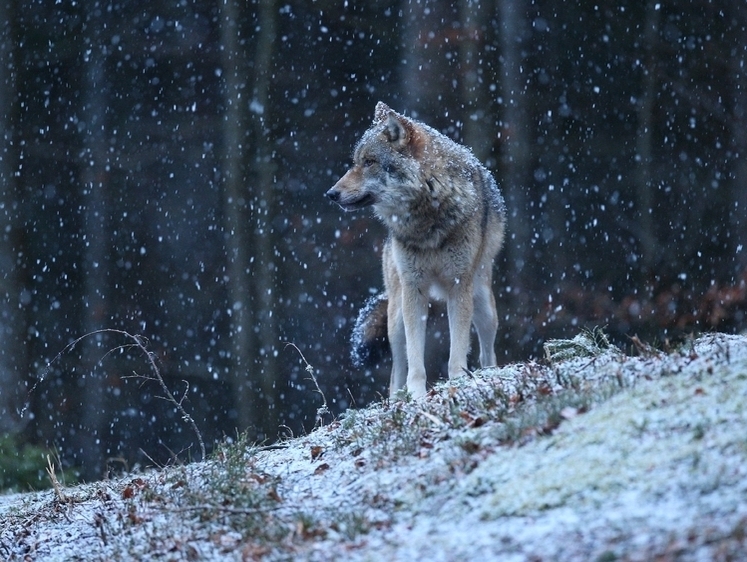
[(13, 357), (517, 155), (644, 135), (738, 212), (249, 209), (479, 130), (263, 208), (425, 91), (96, 235), (236, 215)]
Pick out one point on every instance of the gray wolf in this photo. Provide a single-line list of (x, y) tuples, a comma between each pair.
[(446, 223)]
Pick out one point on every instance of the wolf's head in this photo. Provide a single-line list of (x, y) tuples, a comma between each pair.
[(385, 164)]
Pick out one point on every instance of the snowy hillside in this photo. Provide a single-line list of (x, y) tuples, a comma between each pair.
[(591, 455)]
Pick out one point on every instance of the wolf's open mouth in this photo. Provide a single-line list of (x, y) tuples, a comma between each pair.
[(365, 201)]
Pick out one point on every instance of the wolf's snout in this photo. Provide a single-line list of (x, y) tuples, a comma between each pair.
[(333, 194)]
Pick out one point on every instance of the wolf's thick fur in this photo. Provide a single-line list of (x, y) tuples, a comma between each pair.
[(446, 221)]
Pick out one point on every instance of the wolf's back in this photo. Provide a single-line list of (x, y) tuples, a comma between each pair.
[(370, 341)]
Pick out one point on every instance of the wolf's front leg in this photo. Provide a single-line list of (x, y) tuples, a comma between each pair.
[(459, 306), (415, 316), (397, 341)]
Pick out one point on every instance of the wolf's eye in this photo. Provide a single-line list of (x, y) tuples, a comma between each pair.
[(368, 162)]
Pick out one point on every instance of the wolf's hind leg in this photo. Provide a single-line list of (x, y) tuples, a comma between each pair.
[(485, 320), (459, 306)]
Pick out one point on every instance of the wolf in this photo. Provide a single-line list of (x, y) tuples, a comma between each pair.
[(446, 222)]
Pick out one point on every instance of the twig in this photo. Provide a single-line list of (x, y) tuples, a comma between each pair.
[(160, 466), (224, 509), (324, 409), (470, 374), (273, 447), (99, 520)]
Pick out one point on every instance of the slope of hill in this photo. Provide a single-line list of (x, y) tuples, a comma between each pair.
[(591, 455)]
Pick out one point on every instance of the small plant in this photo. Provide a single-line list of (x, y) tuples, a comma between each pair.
[(236, 492), (139, 343), (61, 497), (20, 467), (589, 343)]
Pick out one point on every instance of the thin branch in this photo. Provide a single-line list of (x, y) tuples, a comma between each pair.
[(178, 404), (224, 509), (139, 342), (324, 409)]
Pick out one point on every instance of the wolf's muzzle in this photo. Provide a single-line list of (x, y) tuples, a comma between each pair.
[(333, 194)]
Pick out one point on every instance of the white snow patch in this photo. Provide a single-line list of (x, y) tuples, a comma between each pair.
[(652, 464)]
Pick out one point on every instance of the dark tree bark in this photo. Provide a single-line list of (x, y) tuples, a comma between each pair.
[(644, 138), (479, 130), (249, 209), (516, 138), (236, 213), (13, 354), (263, 209), (417, 60), (96, 235), (738, 215)]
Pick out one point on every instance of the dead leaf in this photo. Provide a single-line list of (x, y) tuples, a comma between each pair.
[(544, 389), (273, 494), (472, 421), (133, 488)]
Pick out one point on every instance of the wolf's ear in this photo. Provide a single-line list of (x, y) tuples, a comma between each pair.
[(398, 130), (381, 112)]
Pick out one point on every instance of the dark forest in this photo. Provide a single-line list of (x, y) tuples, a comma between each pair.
[(163, 173)]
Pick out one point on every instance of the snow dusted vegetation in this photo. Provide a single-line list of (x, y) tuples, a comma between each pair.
[(590, 455)]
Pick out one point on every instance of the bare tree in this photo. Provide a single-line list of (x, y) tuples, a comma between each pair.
[(644, 189), (249, 204), (479, 129), (236, 211), (96, 232), (13, 363), (263, 214), (416, 64), (429, 73), (517, 154), (739, 142)]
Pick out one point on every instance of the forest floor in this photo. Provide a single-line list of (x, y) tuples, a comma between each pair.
[(592, 454)]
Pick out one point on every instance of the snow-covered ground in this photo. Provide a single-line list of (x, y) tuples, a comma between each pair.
[(593, 455)]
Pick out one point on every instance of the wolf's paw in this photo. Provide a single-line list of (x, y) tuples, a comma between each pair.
[(416, 390)]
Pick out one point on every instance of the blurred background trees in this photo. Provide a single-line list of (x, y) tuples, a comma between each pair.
[(163, 170)]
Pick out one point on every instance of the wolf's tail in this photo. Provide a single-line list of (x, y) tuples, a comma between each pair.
[(370, 341)]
